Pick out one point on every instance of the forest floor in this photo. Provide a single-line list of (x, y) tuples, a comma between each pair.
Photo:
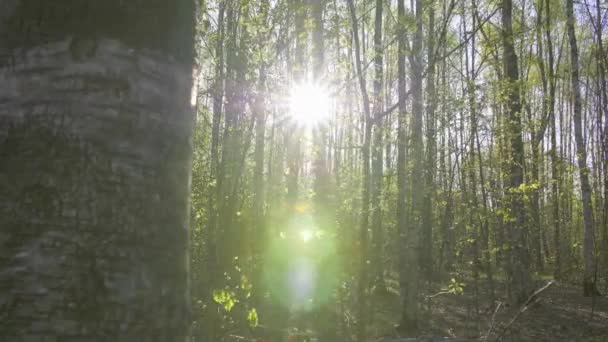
[(561, 314)]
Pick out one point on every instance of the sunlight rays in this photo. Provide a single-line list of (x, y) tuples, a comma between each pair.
[(309, 104)]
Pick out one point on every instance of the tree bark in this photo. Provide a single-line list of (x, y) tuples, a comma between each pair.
[(409, 316), (404, 261), (377, 149), (589, 286), (518, 265), (555, 177), (426, 251), (365, 154), (96, 117)]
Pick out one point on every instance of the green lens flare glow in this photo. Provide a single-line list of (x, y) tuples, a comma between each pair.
[(301, 265)]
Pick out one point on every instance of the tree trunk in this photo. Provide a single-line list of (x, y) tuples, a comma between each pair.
[(409, 316), (603, 115), (211, 251), (377, 149), (589, 287), (364, 218), (404, 262), (322, 180), (231, 239), (426, 255), (537, 137), (299, 71), (259, 227), (96, 118), (555, 178), (518, 265)]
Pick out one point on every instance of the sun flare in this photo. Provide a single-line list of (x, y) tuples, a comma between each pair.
[(306, 235), (309, 104)]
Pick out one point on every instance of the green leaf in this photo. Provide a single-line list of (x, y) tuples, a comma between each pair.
[(252, 317)]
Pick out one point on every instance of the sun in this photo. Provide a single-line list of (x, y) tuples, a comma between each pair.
[(306, 235), (309, 104)]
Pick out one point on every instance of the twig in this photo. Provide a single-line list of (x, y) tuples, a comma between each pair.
[(238, 338), (533, 299), (492, 322), (438, 294)]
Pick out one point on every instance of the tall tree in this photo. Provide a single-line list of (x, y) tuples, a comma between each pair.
[(426, 257), (405, 253), (96, 123), (211, 251), (589, 286), (518, 264), (320, 131), (377, 149), (293, 140), (555, 162), (365, 154), (409, 316)]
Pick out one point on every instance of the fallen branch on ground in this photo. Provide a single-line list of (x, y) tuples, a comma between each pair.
[(533, 299), (492, 321), (422, 339)]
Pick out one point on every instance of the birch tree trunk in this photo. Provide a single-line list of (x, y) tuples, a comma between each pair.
[(96, 117)]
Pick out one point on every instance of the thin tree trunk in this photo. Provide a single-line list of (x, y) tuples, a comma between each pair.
[(426, 249), (409, 316), (299, 72), (537, 137), (604, 112), (257, 211), (322, 181), (473, 201), (377, 149), (404, 261), (518, 267), (555, 177), (212, 205), (362, 310), (589, 286)]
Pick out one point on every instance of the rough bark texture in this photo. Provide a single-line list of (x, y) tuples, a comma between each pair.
[(95, 143)]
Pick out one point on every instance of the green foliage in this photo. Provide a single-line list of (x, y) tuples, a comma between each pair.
[(456, 287), (226, 298), (252, 317)]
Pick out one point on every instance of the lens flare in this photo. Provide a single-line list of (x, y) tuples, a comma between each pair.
[(301, 266), (301, 279), (306, 235), (309, 104)]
